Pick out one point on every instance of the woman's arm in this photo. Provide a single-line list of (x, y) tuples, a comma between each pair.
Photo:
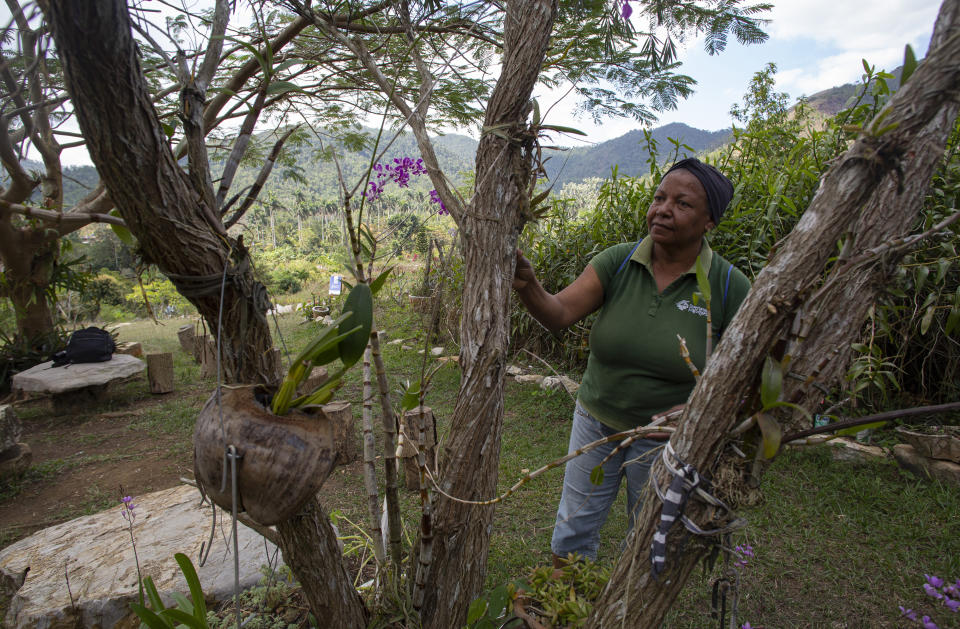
[(556, 312)]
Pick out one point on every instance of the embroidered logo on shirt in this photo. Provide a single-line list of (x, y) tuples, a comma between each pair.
[(688, 307)]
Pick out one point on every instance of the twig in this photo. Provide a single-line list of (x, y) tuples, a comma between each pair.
[(632, 433)]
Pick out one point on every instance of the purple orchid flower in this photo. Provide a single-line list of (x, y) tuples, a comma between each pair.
[(952, 604), (625, 12), (908, 613), (933, 580)]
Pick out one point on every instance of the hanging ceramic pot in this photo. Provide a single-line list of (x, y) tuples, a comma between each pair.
[(283, 459)]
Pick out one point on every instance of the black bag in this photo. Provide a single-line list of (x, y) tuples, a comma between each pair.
[(91, 345)]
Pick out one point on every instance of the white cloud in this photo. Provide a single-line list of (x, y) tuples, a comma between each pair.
[(853, 24), (835, 70), (845, 32)]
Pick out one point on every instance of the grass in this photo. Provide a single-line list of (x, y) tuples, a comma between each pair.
[(837, 544)]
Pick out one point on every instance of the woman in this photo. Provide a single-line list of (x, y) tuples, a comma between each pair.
[(635, 372)]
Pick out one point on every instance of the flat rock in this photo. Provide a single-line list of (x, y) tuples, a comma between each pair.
[(927, 469), (850, 450), (10, 428), (436, 351), (45, 378), (558, 383), (513, 370), (524, 379), (97, 553)]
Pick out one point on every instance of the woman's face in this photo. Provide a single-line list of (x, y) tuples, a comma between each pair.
[(679, 215)]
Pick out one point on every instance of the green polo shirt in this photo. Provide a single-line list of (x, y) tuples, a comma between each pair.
[(635, 369)]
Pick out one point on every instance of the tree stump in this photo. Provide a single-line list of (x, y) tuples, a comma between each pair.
[(160, 372), (411, 443), (207, 352), (344, 437), (130, 348), (187, 336), (315, 380)]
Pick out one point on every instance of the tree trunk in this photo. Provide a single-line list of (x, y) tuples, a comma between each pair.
[(309, 546), (175, 228), (785, 298), (29, 257), (489, 229)]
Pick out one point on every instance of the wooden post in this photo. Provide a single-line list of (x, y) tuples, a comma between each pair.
[(160, 372), (187, 336), (411, 423), (344, 435)]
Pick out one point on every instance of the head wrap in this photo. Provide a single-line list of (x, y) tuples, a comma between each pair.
[(718, 188)]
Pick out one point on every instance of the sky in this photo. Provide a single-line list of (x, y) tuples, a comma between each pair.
[(816, 44)]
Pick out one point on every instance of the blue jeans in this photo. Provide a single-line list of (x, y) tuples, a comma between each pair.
[(584, 506)]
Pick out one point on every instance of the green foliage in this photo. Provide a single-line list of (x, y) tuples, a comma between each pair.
[(162, 296), (188, 613), (558, 598), (104, 289)]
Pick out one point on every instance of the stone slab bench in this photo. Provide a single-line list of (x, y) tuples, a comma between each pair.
[(76, 384), (95, 551)]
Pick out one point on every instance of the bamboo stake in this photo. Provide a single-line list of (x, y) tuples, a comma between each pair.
[(388, 416), (369, 462)]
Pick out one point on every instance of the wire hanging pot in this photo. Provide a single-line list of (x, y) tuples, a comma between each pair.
[(284, 459)]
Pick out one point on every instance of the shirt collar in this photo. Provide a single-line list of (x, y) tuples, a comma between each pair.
[(644, 255)]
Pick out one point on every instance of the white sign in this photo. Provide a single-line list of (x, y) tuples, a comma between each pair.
[(336, 284)]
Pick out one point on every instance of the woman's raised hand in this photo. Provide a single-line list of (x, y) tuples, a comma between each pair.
[(523, 275)]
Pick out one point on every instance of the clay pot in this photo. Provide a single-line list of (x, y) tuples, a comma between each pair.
[(284, 459), (933, 445)]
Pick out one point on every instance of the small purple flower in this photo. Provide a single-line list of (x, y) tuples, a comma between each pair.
[(935, 581), (932, 591), (909, 613), (746, 625), (927, 623), (952, 590), (435, 198), (625, 12), (952, 604), (127, 509)]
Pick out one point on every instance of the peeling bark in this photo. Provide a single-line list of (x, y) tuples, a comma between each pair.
[(489, 230)]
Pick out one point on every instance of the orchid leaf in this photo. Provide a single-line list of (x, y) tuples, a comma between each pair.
[(771, 434), (360, 304), (703, 281), (771, 383), (193, 581), (411, 397), (380, 280), (122, 232)]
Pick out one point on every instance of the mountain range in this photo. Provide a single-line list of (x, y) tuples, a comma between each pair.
[(456, 154)]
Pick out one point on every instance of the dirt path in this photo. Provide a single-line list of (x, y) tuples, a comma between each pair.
[(81, 462)]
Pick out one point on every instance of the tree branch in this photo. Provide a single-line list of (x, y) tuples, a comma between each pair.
[(74, 220), (261, 179)]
